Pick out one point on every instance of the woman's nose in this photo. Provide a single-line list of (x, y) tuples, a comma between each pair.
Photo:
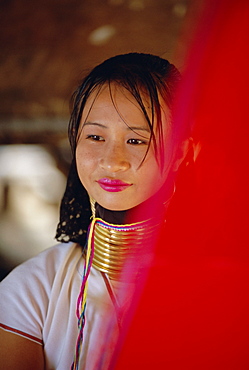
[(115, 159)]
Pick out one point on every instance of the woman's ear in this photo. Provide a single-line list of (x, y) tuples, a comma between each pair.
[(182, 152)]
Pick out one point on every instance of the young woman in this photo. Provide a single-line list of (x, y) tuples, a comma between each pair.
[(60, 309)]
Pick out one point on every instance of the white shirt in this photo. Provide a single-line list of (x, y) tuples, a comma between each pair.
[(38, 301)]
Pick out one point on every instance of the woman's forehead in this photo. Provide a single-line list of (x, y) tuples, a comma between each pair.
[(122, 100), (113, 100), (116, 93)]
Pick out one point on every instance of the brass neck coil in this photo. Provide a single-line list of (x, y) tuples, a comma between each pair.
[(114, 244)]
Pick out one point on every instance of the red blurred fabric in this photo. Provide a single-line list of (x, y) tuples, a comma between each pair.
[(193, 312)]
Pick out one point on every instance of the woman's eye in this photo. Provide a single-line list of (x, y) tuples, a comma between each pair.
[(95, 137), (136, 142)]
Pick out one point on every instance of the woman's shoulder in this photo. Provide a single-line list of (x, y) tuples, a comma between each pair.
[(32, 287), (45, 265), (57, 252), (56, 255)]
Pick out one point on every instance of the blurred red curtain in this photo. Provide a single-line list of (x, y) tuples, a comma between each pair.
[(194, 309)]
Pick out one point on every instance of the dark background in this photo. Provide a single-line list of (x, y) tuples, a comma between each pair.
[(46, 48)]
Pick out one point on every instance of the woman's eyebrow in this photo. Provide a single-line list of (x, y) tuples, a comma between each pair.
[(132, 128), (138, 128), (94, 124)]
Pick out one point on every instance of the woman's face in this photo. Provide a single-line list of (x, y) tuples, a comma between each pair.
[(113, 140)]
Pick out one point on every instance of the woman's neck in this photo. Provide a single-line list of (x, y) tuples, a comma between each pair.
[(118, 236)]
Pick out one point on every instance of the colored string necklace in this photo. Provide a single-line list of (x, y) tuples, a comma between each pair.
[(108, 248)]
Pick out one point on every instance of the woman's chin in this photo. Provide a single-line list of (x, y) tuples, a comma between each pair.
[(114, 206)]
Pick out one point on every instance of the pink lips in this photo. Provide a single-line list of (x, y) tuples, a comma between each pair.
[(112, 185)]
